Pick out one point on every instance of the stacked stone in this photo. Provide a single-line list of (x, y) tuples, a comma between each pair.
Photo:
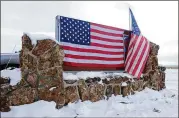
[(154, 75), (95, 89), (4, 88), (41, 69)]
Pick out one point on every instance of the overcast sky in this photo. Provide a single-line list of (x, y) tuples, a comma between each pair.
[(158, 21)]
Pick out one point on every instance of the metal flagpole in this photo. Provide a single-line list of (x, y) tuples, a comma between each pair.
[(129, 27), (117, 6), (129, 19)]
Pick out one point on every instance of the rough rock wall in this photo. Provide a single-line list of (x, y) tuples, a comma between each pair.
[(4, 88), (41, 69), (153, 73)]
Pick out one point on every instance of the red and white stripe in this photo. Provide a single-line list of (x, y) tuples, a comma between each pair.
[(138, 53), (105, 50)]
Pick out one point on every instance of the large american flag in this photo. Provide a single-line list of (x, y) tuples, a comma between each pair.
[(90, 45), (138, 51)]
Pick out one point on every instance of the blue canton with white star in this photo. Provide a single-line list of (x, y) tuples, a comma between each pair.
[(135, 28), (74, 31)]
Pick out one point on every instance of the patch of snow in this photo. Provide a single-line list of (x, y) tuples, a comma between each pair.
[(82, 75), (14, 75), (132, 80), (69, 76), (124, 84), (108, 79), (100, 82), (85, 74), (52, 88), (35, 37), (124, 74)]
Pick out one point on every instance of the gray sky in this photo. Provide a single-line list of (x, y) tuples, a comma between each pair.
[(158, 21)]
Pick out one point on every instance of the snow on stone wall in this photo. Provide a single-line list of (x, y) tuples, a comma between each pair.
[(42, 77)]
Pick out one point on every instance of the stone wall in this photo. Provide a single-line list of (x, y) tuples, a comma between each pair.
[(4, 88), (153, 73), (41, 71)]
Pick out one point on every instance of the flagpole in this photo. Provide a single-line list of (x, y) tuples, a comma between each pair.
[(129, 20)]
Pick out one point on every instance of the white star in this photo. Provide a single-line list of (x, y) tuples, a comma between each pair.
[(78, 21), (83, 41), (75, 37), (64, 20), (67, 29), (65, 35), (62, 32), (67, 18), (64, 25), (72, 20), (68, 38), (73, 40), (78, 40)]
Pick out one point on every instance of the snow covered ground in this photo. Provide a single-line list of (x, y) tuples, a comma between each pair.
[(147, 103)]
